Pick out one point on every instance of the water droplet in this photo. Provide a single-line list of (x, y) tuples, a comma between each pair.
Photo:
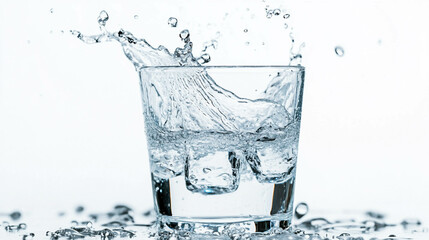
[(206, 170), (247, 43), (246, 30), (80, 209), (136, 17), (411, 222), (286, 25), (375, 215), (184, 35), (103, 17), (62, 31), (301, 210), (339, 51), (276, 12), (172, 21), (286, 16), (269, 13), (51, 10), (22, 226), (15, 215), (29, 236)]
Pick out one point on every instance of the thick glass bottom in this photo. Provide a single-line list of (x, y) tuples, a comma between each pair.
[(229, 226)]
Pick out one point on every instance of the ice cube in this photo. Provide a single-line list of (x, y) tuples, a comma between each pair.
[(271, 163), (214, 173), (166, 164)]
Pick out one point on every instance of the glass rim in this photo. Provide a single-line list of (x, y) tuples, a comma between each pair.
[(296, 67)]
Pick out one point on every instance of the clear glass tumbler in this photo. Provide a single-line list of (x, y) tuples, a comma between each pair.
[(223, 144)]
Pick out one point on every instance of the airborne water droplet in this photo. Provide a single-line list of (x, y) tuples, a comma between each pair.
[(51, 10), (205, 58), (102, 18), (276, 12), (172, 21), (206, 170), (246, 30), (136, 17), (184, 35), (339, 51), (286, 16), (286, 25)]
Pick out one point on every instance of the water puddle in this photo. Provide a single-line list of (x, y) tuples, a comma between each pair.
[(122, 222)]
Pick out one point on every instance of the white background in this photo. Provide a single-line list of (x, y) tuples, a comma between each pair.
[(71, 125)]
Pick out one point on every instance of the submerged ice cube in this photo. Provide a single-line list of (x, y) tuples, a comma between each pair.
[(214, 173), (166, 164), (272, 163)]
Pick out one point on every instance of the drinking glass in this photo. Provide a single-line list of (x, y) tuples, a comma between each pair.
[(223, 145)]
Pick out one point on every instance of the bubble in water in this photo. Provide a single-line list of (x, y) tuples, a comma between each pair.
[(301, 210), (246, 30), (339, 51), (136, 17), (184, 35), (276, 12), (172, 21), (103, 17), (286, 16)]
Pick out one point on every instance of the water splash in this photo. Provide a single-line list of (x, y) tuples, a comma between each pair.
[(103, 18), (295, 52)]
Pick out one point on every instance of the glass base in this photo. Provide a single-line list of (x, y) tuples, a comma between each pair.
[(223, 226)]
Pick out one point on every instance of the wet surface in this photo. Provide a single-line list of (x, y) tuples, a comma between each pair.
[(121, 222)]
